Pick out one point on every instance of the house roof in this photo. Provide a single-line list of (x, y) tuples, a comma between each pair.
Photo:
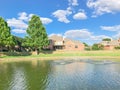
[(60, 38), (112, 43), (56, 38)]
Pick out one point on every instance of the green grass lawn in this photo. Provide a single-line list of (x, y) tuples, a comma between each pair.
[(114, 53)]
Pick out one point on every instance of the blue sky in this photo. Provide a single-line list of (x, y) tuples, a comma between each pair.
[(86, 20)]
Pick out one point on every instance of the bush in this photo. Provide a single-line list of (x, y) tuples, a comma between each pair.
[(87, 48), (17, 53), (97, 47), (118, 47)]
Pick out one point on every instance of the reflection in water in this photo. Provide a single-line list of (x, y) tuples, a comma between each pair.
[(18, 80), (34, 63), (60, 75)]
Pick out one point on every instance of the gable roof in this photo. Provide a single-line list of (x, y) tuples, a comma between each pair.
[(60, 38), (56, 38), (112, 43)]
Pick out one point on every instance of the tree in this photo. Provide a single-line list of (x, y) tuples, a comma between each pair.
[(117, 47), (86, 45), (6, 39), (36, 34), (97, 47), (106, 39), (19, 42)]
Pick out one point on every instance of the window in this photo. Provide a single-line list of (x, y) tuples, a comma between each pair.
[(50, 41), (76, 46)]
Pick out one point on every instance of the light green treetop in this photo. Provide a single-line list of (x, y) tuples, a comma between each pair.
[(6, 39), (36, 34)]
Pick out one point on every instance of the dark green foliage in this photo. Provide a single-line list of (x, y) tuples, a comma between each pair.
[(118, 47), (86, 45), (19, 43), (36, 34), (87, 48), (18, 40), (97, 47), (17, 53), (106, 39)]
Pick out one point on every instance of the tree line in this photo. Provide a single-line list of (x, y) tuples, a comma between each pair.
[(35, 40)]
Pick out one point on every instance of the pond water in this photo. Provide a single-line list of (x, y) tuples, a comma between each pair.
[(60, 75)]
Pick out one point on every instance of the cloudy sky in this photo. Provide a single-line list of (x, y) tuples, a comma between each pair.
[(85, 20)]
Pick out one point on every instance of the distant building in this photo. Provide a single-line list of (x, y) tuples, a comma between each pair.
[(60, 43), (110, 45)]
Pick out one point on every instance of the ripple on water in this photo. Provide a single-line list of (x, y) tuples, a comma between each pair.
[(18, 81), (96, 77), (63, 62), (98, 62), (65, 75)]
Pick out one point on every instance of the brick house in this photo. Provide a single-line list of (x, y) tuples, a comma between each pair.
[(110, 45), (60, 43), (74, 45)]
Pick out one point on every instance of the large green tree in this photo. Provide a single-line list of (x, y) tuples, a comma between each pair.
[(36, 34), (6, 39)]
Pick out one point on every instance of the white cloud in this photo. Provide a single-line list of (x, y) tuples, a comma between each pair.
[(111, 28), (73, 2), (17, 23), (26, 17), (104, 6), (46, 20), (23, 16), (82, 34), (29, 16), (80, 16), (55, 34), (115, 28), (62, 15), (20, 25), (117, 35), (99, 37), (20, 31), (85, 36)]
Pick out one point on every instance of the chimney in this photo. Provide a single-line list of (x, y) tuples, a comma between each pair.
[(63, 39)]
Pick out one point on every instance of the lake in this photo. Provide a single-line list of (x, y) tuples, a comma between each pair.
[(60, 75)]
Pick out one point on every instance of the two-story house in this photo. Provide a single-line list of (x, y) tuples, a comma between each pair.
[(60, 43), (110, 45)]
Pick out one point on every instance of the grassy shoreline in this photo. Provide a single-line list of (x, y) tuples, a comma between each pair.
[(58, 55)]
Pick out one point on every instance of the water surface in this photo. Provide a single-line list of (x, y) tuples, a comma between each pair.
[(60, 75)]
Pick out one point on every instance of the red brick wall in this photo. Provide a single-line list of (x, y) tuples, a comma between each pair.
[(51, 45), (69, 45), (108, 47)]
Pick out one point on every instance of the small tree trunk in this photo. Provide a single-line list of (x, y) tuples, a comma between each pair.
[(37, 51), (1, 49)]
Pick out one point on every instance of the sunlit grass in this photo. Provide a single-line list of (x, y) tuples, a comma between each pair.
[(71, 54)]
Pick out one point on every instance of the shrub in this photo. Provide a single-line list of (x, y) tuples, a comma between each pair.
[(118, 47)]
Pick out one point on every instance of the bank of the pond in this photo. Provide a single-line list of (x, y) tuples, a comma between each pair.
[(57, 55)]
